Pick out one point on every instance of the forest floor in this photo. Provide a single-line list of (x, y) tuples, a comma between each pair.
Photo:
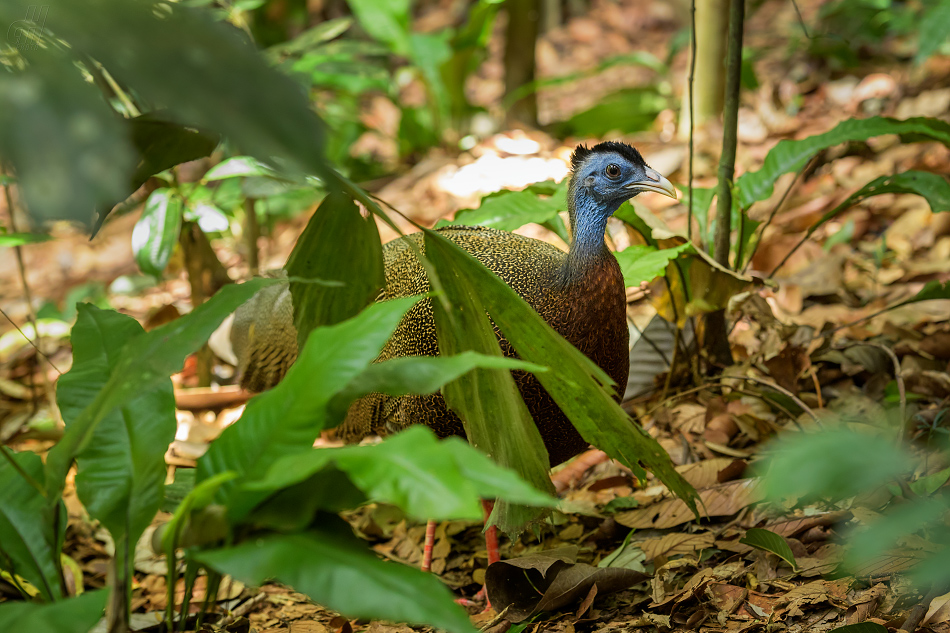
[(703, 577)]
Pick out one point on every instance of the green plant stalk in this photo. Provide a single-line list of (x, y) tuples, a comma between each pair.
[(727, 161), (251, 232), (118, 608), (716, 338), (692, 120)]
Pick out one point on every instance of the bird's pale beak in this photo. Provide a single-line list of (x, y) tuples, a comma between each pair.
[(654, 182)]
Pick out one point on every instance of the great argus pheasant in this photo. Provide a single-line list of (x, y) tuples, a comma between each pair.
[(580, 293)]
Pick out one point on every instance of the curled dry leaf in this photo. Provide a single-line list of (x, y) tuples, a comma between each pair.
[(548, 581), (705, 473)]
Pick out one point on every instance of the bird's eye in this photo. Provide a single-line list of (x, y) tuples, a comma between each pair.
[(612, 171)]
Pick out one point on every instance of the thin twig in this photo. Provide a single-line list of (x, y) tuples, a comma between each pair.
[(801, 20), (775, 210), (692, 73), (31, 314), (919, 611), (29, 340), (781, 390)]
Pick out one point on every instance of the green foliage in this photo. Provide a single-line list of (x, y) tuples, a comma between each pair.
[(19, 239), (31, 533), (934, 26), (855, 29), (67, 170), (75, 615), (485, 396), (338, 571), (65, 145), (277, 423), (414, 471), (813, 468), (156, 233), (144, 363), (121, 469), (640, 263), (597, 417), (509, 210), (788, 156), (336, 227), (770, 542), (931, 290), (625, 111)]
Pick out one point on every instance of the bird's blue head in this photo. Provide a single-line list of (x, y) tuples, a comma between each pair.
[(605, 176)]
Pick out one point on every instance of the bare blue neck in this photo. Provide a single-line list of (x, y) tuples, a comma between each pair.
[(588, 216)]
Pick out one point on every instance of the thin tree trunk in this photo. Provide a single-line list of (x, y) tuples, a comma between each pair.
[(520, 40), (712, 27), (552, 14), (717, 340)]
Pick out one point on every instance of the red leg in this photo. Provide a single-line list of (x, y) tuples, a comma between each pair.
[(491, 534), (427, 548)]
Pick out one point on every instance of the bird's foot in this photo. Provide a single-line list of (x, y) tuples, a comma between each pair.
[(476, 600)]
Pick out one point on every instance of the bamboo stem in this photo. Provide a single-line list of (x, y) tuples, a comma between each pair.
[(716, 335)]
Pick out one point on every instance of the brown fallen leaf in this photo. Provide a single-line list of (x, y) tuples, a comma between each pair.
[(793, 527), (676, 543), (722, 500), (705, 473), (550, 580)]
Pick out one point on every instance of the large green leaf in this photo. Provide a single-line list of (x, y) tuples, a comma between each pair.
[(931, 290), (883, 534), (628, 110), (420, 375), (934, 27), (788, 156), (812, 466), (425, 477), (66, 146), (205, 73), (238, 166), (339, 244), (156, 233), (121, 470), (338, 572), (161, 145), (144, 363), (640, 263), (933, 187), (770, 542), (483, 397), (386, 21), (75, 615), (289, 418), (597, 416), (30, 540), (509, 210)]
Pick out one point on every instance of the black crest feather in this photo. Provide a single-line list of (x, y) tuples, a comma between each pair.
[(629, 152)]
